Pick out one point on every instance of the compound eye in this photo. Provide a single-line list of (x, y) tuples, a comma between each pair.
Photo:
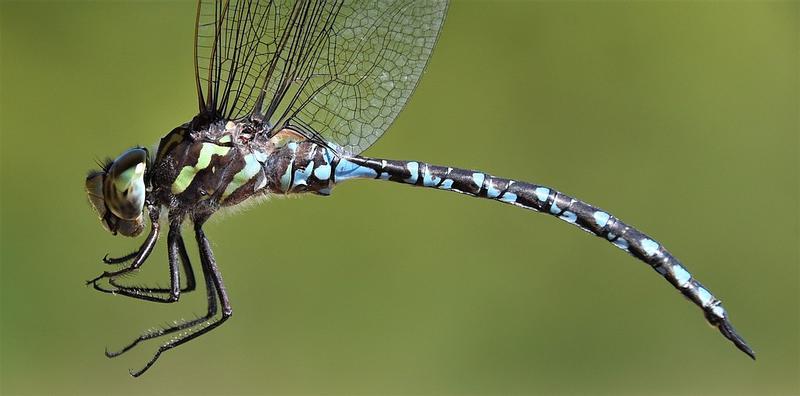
[(123, 186)]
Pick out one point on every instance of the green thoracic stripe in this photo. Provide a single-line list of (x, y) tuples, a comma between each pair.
[(251, 168), (187, 173)]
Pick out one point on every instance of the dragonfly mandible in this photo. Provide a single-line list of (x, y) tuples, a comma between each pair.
[(290, 93)]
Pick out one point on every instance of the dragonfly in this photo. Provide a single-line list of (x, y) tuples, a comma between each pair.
[(290, 94)]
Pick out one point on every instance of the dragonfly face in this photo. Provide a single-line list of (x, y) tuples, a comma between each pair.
[(117, 192)]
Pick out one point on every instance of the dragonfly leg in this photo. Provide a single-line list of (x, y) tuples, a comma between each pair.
[(187, 269), (140, 255), (211, 271), (174, 292), (158, 332), (154, 213), (120, 260)]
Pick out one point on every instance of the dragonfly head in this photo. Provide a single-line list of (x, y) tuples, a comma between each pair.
[(117, 192)]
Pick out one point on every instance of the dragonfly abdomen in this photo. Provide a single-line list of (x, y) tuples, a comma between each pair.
[(547, 200)]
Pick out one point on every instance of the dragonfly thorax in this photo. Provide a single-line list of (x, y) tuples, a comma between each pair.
[(201, 168)]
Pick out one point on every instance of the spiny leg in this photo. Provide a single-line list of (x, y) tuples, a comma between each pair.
[(123, 259), (140, 255), (154, 214), (210, 270), (158, 332), (187, 269), (173, 250)]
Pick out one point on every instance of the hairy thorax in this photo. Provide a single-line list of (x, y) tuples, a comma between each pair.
[(225, 164)]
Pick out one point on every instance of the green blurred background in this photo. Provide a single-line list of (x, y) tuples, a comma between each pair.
[(679, 117)]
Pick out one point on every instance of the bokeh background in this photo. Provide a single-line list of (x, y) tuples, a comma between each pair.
[(679, 117)]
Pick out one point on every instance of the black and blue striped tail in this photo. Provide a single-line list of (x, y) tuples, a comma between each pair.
[(547, 200)]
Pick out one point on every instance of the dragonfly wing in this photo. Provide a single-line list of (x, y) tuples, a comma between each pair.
[(338, 70), (232, 43)]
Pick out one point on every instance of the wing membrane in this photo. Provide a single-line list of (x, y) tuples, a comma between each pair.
[(340, 70)]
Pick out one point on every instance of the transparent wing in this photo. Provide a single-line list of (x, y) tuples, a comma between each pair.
[(340, 70)]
